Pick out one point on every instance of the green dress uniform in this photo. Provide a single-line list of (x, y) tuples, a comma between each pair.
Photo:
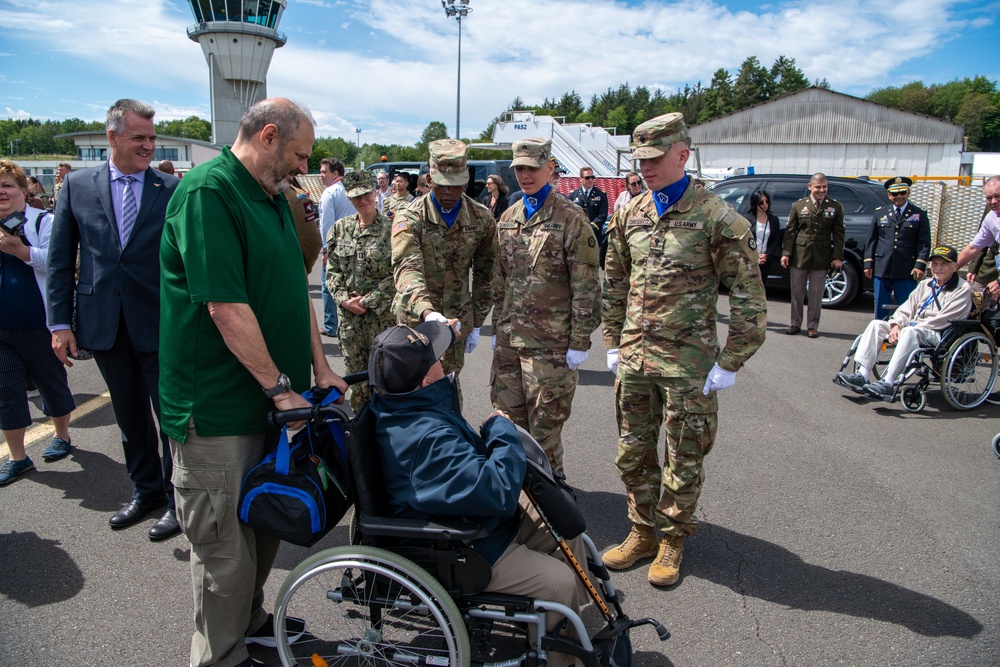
[(431, 265), (659, 311), (359, 262), (547, 293), (814, 237)]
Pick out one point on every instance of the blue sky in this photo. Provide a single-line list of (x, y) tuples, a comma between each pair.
[(388, 66)]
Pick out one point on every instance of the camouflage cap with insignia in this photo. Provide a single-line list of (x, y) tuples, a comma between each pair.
[(533, 152), (358, 182), (655, 137), (448, 162), (898, 184)]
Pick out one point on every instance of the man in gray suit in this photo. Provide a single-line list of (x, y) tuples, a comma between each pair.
[(114, 214)]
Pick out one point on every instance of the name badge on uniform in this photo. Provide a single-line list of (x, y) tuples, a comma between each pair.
[(470, 228), (639, 222), (554, 226), (507, 225), (686, 224)]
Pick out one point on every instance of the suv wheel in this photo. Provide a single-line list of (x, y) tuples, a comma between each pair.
[(841, 286)]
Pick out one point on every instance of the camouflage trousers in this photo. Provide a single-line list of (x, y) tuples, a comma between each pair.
[(664, 497), (356, 333), (453, 361), (535, 388)]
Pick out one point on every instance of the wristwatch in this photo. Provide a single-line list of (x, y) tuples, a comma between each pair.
[(284, 384)]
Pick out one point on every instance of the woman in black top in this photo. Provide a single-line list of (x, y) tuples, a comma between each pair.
[(764, 226), (494, 197)]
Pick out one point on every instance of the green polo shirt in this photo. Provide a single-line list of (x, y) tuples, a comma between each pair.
[(226, 240)]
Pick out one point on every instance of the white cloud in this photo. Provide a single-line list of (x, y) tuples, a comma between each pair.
[(389, 68)]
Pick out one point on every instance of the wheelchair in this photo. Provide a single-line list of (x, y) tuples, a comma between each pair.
[(410, 592), (964, 363)]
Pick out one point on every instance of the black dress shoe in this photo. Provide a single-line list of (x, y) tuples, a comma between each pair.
[(165, 528), (134, 512)]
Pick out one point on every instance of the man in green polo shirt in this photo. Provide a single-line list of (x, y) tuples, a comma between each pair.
[(237, 336)]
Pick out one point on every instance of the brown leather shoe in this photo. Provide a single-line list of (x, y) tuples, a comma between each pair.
[(792, 331), (812, 333)]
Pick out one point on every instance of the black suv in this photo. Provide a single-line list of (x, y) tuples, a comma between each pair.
[(859, 197), (479, 170)]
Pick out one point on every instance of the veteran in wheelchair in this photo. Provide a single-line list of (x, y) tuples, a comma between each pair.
[(928, 336), (451, 539)]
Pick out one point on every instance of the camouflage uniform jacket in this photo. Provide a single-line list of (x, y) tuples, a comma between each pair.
[(431, 262), (359, 262), (394, 202), (662, 284), (545, 285)]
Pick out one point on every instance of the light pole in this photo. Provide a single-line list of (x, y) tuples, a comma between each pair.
[(458, 9), (358, 130)]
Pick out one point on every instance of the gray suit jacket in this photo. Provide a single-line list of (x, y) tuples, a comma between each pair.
[(113, 280)]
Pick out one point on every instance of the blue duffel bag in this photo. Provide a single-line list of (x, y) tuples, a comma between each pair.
[(301, 490)]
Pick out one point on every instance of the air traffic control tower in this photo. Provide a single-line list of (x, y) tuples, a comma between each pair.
[(238, 38)]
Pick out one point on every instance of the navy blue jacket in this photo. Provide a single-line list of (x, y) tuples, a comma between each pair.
[(898, 245), (435, 465), (114, 280)]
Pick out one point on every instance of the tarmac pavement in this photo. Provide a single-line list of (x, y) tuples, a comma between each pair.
[(835, 530)]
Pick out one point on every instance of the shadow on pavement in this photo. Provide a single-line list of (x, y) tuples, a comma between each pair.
[(756, 568), (101, 486), (35, 585)]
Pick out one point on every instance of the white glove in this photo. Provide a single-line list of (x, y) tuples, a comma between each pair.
[(575, 359), (472, 340), (613, 361), (494, 343), (719, 378), (435, 316)]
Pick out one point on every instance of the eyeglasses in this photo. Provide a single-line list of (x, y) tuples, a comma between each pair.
[(588, 178), (899, 194), (635, 184)]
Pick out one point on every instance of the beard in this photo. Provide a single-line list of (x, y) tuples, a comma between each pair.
[(276, 175)]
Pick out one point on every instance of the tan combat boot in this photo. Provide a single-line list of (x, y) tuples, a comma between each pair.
[(640, 543), (666, 569)]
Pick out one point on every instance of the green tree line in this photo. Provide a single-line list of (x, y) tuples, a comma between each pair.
[(27, 137), (973, 103)]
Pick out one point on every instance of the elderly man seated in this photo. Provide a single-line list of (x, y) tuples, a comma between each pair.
[(435, 464), (917, 323)]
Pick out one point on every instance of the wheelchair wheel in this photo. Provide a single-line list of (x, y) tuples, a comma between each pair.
[(996, 445), (914, 399), (368, 606), (969, 371)]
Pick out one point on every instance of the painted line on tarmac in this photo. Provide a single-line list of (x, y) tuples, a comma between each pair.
[(46, 430)]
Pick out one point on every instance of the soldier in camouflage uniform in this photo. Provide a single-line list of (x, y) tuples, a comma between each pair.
[(436, 240), (669, 249), (547, 295), (400, 196), (359, 277)]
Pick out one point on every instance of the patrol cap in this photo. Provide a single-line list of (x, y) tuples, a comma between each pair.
[(898, 184), (358, 182), (533, 152), (945, 252), (448, 162), (400, 356), (655, 137)]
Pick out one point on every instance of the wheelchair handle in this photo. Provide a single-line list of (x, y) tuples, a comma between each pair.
[(355, 378), (282, 417)]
